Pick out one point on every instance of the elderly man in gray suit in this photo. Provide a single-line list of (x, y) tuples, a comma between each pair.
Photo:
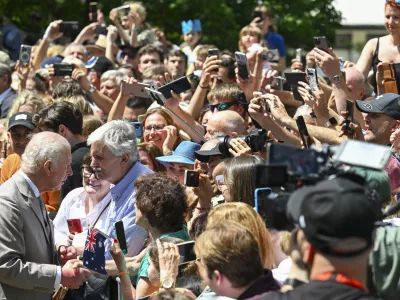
[(28, 259)]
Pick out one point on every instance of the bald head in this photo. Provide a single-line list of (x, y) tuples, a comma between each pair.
[(225, 122), (44, 146), (355, 83)]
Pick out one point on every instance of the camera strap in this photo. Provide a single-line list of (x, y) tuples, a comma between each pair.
[(340, 278)]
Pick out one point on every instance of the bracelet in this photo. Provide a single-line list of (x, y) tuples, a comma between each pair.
[(201, 208), (204, 87), (122, 274)]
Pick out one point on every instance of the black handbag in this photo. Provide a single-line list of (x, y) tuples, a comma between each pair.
[(98, 287)]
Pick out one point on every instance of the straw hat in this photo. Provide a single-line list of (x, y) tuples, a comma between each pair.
[(101, 44)]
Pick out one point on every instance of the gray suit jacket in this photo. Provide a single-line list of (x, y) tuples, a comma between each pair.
[(7, 103), (27, 254)]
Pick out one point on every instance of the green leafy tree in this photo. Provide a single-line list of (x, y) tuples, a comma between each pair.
[(297, 21)]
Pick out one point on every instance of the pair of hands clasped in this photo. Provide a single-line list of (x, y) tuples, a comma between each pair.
[(73, 273)]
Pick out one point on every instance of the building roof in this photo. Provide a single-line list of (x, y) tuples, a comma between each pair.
[(361, 12)]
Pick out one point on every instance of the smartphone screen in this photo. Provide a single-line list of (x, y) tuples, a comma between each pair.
[(257, 14), (191, 178), (120, 233), (271, 175), (299, 161), (312, 78), (63, 69), (243, 67), (179, 85), (260, 198), (138, 129), (186, 252), (292, 79), (93, 11), (304, 135), (362, 154), (272, 208), (101, 30)]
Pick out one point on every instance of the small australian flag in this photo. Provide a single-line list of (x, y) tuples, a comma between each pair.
[(93, 256)]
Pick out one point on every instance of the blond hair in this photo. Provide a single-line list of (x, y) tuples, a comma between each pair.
[(90, 124), (246, 216), (55, 50), (27, 98), (252, 30), (80, 102)]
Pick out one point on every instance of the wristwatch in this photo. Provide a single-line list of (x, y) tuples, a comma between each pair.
[(337, 78), (92, 88), (331, 122), (167, 283)]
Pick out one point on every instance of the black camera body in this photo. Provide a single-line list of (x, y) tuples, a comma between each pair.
[(256, 141)]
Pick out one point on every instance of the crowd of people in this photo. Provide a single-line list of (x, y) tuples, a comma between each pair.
[(93, 146)]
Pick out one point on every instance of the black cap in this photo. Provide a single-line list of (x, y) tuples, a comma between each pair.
[(333, 210), (388, 104), (21, 119), (204, 155), (99, 64)]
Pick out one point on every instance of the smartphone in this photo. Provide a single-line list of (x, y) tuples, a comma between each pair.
[(192, 178), (179, 85), (304, 135), (362, 154), (101, 30), (299, 54), (292, 79), (138, 129), (126, 8), (69, 28), (135, 89), (270, 175), (25, 55), (63, 69), (155, 95), (321, 43), (93, 11), (299, 161), (349, 117), (258, 14), (312, 78), (243, 67), (213, 52), (270, 55), (186, 252), (74, 226), (260, 201), (120, 234), (277, 83)]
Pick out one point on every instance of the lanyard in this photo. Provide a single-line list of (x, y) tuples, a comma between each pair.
[(340, 278)]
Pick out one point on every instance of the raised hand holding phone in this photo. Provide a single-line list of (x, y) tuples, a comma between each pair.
[(120, 233)]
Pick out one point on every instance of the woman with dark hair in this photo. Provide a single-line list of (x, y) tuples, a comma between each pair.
[(160, 209), (238, 184), (148, 153), (272, 39)]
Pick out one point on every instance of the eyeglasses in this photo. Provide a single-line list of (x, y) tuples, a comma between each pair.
[(222, 106), (156, 128), (87, 172), (220, 182)]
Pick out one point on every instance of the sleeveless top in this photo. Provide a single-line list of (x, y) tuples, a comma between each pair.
[(375, 62)]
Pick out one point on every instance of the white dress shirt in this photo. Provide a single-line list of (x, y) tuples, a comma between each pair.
[(37, 195), (73, 207)]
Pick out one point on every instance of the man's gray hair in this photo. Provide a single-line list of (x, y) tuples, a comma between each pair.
[(116, 76), (42, 147), (75, 45), (119, 137)]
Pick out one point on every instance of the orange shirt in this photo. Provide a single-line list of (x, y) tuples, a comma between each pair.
[(11, 165)]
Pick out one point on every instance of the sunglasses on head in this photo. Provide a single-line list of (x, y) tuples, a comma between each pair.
[(222, 106)]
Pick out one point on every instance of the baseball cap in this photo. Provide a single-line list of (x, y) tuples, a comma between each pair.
[(204, 155), (5, 59), (334, 210), (183, 154), (51, 61), (388, 104), (21, 119), (99, 64), (377, 180)]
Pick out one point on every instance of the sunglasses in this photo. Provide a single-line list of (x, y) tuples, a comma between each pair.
[(222, 106)]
